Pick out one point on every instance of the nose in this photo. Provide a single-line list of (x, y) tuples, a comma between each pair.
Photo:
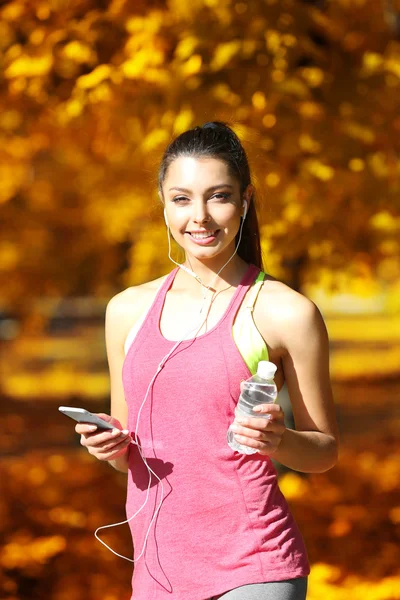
[(200, 212)]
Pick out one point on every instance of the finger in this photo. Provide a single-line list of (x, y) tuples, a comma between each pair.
[(106, 448), (85, 428), (261, 422), (265, 430), (103, 437), (264, 447), (272, 410), (254, 434), (115, 451)]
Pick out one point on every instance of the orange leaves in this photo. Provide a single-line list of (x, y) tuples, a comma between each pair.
[(26, 551), (94, 78), (224, 53), (29, 66), (93, 96)]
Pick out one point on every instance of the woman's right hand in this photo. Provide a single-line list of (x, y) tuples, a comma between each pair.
[(104, 445)]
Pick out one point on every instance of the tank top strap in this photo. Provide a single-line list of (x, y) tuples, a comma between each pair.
[(158, 302), (242, 290), (253, 294)]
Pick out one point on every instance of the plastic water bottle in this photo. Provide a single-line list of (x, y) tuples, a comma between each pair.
[(258, 389)]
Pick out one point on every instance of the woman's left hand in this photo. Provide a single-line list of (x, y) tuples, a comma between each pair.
[(263, 434)]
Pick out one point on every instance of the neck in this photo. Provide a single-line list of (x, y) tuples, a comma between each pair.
[(208, 272)]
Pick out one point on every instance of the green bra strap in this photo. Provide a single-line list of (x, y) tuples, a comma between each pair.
[(248, 339)]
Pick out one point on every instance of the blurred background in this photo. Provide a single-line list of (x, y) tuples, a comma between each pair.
[(91, 93)]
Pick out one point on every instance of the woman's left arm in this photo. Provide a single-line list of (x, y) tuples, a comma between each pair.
[(313, 445)]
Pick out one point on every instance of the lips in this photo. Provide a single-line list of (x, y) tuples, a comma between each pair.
[(202, 235)]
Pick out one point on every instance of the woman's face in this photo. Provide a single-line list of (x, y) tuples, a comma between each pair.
[(203, 206)]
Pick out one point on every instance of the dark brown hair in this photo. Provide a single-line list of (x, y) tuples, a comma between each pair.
[(218, 140)]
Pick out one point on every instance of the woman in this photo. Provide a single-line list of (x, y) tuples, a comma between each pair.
[(208, 522)]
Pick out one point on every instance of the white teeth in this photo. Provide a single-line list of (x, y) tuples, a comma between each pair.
[(202, 235)]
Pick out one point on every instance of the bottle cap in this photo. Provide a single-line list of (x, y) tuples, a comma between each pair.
[(266, 369)]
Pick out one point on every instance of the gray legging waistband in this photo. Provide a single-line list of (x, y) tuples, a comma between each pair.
[(291, 589)]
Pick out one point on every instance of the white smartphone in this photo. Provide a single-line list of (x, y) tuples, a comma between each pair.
[(84, 416)]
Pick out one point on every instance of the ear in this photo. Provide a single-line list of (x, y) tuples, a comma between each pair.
[(248, 195)]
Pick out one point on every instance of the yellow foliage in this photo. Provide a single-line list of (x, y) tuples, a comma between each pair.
[(309, 109), (272, 179), (308, 144), (183, 121), (269, 121), (248, 46), (389, 269), (359, 132), (313, 75), (12, 177), (293, 486), (357, 165), (378, 164), (149, 24), (136, 66), (319, 170), (26, 551), (78, 52), (12, 11), (292, 212), (224, 53), (294, 85), (67, 516), (102, 93), (392, 64), (372, 61), (186, 47), (193, 65), (155, 139), (259, 101), (29, 66), (223, 92), (99, 74), (72, 108), (9, 256), (57, 463), (273, 40), (385, 221)]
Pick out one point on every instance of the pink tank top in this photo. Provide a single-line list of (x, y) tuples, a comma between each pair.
[(223, 521)]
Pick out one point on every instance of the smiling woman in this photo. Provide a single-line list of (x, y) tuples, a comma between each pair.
[(206, 521)]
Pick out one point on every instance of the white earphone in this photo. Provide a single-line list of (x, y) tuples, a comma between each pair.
[(245, 209)]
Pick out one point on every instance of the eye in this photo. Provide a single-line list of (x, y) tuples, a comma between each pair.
[(222, 196), (180, 200)]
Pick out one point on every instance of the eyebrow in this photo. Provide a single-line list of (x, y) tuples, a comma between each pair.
[(210, 189)]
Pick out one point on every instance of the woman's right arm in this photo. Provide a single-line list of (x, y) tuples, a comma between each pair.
[(106, 446)]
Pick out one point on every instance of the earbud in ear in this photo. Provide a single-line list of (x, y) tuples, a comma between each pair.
[(165, 218), (245, 209)]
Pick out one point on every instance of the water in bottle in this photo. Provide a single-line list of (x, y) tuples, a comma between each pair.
[(259, 389)]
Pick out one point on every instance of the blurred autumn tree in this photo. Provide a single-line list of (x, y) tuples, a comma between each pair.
[(94, 90)]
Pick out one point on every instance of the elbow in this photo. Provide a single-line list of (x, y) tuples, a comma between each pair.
[(332, 455)]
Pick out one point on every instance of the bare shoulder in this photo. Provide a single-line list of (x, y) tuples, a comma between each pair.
[(126, 307), (135, 297), (289, 314)]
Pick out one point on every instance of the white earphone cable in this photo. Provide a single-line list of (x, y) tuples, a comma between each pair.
[(159, 368)]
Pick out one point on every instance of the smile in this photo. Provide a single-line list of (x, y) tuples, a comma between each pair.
[(203, 238), (201, 235)]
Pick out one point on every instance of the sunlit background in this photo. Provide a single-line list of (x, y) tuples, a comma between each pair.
[(92, 92)]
